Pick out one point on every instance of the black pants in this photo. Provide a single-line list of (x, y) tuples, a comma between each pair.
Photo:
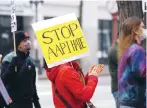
[(27, 104)]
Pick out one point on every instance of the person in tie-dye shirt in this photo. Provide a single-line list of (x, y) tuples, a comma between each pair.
[(131, 65)]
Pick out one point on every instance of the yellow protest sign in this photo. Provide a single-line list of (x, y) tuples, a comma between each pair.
[(61, 39)]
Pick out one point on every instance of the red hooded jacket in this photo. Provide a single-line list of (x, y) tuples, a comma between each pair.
[(70, 85)]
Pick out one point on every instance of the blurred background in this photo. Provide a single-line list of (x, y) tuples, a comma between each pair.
[(99, 21)]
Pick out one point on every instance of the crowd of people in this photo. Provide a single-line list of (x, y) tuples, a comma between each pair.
[(127, 66)]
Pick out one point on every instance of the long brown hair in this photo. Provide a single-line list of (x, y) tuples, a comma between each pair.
[(127, 34)]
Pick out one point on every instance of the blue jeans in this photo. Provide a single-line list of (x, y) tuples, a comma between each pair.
[(126, 106), (115, 95)]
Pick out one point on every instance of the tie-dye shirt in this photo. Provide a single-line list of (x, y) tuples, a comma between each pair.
[(132, 77)]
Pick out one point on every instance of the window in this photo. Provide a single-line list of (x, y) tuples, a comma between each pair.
[(104, 40), (6, 38)]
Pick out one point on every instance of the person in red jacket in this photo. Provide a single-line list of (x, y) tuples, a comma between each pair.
[(69, 87)]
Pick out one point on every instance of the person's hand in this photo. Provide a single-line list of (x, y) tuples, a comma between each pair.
[(0, 57), (90, 69), (10, 101), (96, 70)]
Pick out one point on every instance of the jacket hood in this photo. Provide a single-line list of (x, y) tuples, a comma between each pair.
[(53, 72)]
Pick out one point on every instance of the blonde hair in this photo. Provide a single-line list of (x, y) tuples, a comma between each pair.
[(127, 34)]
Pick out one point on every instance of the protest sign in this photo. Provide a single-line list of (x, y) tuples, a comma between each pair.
[(13, 17), (3, 90), (61, 39), (4, 93)]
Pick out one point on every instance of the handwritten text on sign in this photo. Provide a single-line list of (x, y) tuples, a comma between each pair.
[(13, 17), (62, 41)]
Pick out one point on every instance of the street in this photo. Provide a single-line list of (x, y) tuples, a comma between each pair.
[(102, 97)]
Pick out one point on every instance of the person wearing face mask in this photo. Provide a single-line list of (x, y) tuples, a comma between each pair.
[(19, 75), (143, 43), (131, 65)]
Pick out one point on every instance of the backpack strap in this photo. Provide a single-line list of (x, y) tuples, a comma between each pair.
[(62, 98), (61, 71)]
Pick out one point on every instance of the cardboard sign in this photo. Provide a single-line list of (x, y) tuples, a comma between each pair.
[(4, 93), (61, 39), (13, 17)]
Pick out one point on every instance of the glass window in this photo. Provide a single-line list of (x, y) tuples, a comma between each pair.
[(6, 38), (105, 37), (5, 21)]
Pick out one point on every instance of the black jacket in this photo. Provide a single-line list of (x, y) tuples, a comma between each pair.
[(113, 64), (21, 86)]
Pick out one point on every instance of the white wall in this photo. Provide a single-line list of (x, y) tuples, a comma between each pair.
[(90, 26), (93, 11), (58, 9)]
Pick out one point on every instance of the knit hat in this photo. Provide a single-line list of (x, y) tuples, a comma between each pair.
[(20, 36)]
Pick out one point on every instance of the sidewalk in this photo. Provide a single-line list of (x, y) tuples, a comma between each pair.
[(102, 97), (42, 76)]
